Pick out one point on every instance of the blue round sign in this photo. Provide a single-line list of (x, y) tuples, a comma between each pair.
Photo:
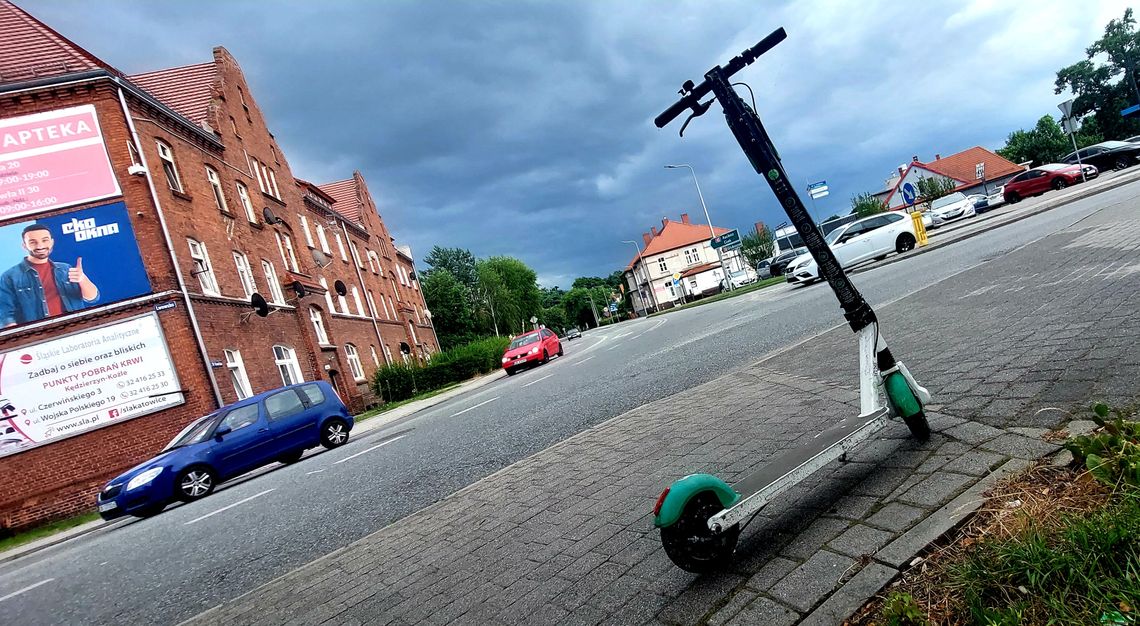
[(909, 193)]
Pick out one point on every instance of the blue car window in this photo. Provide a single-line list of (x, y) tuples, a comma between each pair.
[(313, 394), (283, 404), (241, 417)]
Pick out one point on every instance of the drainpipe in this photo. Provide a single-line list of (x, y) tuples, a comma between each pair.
[(371, 311), (173, 256)]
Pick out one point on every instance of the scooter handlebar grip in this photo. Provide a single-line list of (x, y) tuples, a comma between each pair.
[(672, 112), (765, 44)]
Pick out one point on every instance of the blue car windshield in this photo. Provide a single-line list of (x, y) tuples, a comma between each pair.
[(194, 433)]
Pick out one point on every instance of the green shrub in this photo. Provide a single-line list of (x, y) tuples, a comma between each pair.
[(399, 381), (1111, 455)]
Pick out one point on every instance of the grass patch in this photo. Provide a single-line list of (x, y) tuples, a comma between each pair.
[(767, 282), (39, 532), (392, 405)]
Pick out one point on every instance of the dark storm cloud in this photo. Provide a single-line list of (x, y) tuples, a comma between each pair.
[(524, 128)]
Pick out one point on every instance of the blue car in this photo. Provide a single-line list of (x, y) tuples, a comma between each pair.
[(277, 425)]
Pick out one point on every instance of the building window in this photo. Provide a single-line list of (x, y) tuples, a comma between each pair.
[(237, 374), (413, 329), (355, 254), (356, 299), (324, 241), (354, 361), (243, 197), (286, 360), (308, 233), (202, 268), (285, 246), (166, 155), (343, 301), (340, 246), (672, 291), (271, 280), (661, 264), (391, 306), (273, 179), (691, 256), (318, 325), (216, 184), (387, 353), (245, 273), (375, 357), (372, 304), (693, 285), (328, 294)]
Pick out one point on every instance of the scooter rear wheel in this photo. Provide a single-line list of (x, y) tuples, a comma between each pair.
[(691, 545), (918, 426)]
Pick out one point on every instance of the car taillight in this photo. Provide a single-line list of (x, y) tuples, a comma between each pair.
[(660, 501)]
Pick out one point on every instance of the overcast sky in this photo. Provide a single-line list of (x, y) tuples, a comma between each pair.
[(525, 128)]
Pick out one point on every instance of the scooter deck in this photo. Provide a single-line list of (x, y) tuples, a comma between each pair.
[(797, 463)]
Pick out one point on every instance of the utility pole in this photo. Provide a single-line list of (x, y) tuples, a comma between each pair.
[(593, 310)]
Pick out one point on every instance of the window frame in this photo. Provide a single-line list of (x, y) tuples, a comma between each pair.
[(245, 273), (275, 291), (287, 365), (340, 246), (236, 368), (318, 322), (662, 265), (203, 268), (169, 168), (246, 202), (354, 364), (215, 180), (323, 239), (356, 299)]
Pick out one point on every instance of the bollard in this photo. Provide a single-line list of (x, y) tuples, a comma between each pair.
[(919, 229)]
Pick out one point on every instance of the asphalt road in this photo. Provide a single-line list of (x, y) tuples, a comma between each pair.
[(168, 568)]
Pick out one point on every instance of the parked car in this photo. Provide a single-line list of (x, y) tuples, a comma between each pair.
[(573, 333), (1106, 155), (740, 278), (869, 238), (1041, 179), (930, 221), (764, 269), (993, 200), (780, 262), (531, 348), (952, 207), (277, 425)]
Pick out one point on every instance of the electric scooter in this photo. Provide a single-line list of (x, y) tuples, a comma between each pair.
[(700, 515)]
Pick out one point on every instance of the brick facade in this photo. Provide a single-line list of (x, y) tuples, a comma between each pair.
[(230, 136)]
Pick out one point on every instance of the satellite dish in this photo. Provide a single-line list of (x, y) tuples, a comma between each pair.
[(320, 258), (412, 275), (260, 306), (340, 289), (270, 218), (299, 289)]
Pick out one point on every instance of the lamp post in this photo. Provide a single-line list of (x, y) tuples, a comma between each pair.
[(712, 233), (644, 309)]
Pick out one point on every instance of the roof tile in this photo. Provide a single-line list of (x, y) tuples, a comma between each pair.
[(675, 235), (961, 166), (346, 198), (30, 49), (186, 89)]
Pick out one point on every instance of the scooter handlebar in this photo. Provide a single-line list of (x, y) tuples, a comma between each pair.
[(691, 99)]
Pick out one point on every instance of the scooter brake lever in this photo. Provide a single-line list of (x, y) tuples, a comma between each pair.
[(699, 109)]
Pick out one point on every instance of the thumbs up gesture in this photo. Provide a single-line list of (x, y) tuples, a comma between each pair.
[(75, 274)]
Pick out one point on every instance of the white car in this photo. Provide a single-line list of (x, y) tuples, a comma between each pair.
[(953, 207), (869, 238)]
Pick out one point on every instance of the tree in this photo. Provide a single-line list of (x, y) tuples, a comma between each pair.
[(510, 290), (585, 282), (1046, 143), (579, 308), (1103, 90), (866, 204), (551, 296), (554, 317), (933, 188), (459, 262), (450, 306), (757, 246)]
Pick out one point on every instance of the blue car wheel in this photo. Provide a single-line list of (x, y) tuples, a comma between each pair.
[(334, 433), (195, 483)]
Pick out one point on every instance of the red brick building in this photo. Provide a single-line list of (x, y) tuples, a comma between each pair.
[(218, 218)]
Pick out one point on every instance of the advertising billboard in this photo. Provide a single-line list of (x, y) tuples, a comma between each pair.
[(83, 381), (69, 262), (53, 160)]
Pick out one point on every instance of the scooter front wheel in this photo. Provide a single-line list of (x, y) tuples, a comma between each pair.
[(689, 542)]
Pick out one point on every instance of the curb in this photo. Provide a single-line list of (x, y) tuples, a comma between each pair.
[(32, 547), (1079, 194), (388, 417)]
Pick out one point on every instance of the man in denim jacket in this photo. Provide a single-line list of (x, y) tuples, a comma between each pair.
[(37, 287)]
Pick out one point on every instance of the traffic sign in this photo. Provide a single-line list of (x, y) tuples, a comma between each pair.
[(613, 307), (818, 190), (1130, 110), (909, 193), (980, 171), (1066, 108), (676, 276), (822, 183), (729, 238)]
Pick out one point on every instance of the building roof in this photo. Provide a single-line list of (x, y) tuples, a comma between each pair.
[(961, 166), (675, 235), (346, 197), (30, 49), (186, 89), (700, 269)]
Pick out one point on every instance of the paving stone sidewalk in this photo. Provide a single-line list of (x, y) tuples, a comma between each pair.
[(1011, 348)]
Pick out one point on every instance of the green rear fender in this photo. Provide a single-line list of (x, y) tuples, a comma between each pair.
[(683, 490), (901, 396)]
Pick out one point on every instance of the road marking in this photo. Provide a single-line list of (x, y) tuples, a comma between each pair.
[(472, 408), (663, 320), (613, 346), (228, 507), (314, 472), (584, 360), (28, 588), (379, 445), (530, 383)]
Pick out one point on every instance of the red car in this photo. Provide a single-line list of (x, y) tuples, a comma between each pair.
[(537, 346), (1041, 179)]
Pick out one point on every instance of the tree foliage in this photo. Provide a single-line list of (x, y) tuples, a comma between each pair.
[(1103, 89), (757, 245), (866, 205), (932, 188), (459, 262), (450, 304), (508, 291), (577, 305)]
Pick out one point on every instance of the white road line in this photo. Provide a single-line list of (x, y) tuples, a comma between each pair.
[(663, 320), (379, 445), (28, 588), (472, 408), (535, 381), (226, 508), (613, 346), (584, 360), (314, 472)]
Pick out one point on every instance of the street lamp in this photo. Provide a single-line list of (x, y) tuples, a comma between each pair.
[(644, 310), (712, 233)]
